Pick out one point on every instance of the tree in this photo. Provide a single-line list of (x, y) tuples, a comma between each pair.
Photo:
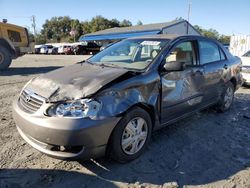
[(40, 39), (213, 34), (224, 39), (139, 22), (56, 28), (179, 19), (125, 23), (100, 23), (76, 27)]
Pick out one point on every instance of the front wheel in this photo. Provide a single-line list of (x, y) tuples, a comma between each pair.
[(5, 58), (131, 135), (226, 98)]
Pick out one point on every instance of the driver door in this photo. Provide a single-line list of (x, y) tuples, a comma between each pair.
[(182, 90)]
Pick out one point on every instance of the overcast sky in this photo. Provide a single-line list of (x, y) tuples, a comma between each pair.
[(226, 16)]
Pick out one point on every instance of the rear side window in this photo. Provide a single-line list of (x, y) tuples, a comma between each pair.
[(14, 36), (209, 52)]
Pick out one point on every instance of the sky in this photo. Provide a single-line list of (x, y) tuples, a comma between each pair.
[(226, 16)]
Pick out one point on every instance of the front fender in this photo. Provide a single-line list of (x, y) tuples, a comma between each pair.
[(143, 89)]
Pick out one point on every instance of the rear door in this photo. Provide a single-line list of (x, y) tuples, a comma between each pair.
[(215, 65), (182, 91)]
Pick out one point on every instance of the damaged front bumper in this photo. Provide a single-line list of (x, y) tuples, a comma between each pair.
[(64, 138)]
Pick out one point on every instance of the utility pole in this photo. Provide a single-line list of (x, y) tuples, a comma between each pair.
[(188, 16), (189, 10), (33, 19)]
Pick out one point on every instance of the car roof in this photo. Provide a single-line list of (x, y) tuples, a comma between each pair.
[(167, 36), (158, 36)]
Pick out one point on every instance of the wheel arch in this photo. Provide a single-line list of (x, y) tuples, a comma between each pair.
[(234, 82), (147, 107)]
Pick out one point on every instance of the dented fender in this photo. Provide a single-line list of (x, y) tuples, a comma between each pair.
[(138, 90)]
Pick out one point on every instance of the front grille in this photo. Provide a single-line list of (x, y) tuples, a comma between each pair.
[(29, 101)]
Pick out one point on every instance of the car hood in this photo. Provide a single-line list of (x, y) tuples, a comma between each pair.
[(74, 82)]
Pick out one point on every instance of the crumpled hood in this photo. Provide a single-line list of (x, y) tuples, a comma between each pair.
[(74, 82)]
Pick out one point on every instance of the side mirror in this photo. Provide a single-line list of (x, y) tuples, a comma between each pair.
[(173, 66)]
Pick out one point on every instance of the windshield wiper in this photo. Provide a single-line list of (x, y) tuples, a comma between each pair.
[(110, 65)]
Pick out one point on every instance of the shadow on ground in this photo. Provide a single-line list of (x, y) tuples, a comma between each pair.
[(24, 71), (15, 178)]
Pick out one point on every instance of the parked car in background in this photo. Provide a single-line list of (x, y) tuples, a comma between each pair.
[(37, 49), (111, 103), (53, 50), (45, 48), (64, 49), (88, 48), (68, 50), (246, 67), (105, 46)]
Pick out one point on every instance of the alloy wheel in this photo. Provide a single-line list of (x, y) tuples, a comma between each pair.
[(134, 135)]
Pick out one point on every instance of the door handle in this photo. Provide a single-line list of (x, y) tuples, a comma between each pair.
[(225, 66)]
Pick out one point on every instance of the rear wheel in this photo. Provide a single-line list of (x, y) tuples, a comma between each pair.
[(226, 98), (5, 58), (131, 135)]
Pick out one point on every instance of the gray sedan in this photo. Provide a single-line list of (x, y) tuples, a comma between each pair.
[(111, 103)]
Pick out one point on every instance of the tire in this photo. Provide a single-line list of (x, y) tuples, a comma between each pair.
[(226, 99), (123, 151), (5, 58)]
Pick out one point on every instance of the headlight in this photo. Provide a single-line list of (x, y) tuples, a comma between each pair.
[(27, 84), (76, 109)]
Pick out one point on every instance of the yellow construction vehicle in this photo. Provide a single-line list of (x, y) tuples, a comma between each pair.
[(14, 42)]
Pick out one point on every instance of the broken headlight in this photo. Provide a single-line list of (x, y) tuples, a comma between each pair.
[(76, 109)]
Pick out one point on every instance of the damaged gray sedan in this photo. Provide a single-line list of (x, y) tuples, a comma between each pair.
[(111, 103)]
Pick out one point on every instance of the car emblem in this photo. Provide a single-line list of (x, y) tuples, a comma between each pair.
[(27, 98)]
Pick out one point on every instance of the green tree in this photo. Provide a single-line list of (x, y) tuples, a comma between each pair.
[(100, 23), (57, 28), (40, 39), (224, 39), (139, 22), (76, 27), (125, 23), (213, 34)]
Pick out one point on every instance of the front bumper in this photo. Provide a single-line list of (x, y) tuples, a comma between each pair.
[(49, 134)]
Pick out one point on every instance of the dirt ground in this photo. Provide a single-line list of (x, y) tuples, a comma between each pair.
[(208, 149)]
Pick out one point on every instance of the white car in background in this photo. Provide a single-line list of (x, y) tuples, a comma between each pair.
[(246, 67), (45, 48)]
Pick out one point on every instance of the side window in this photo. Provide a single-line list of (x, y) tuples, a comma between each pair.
[(209, 52), (183, 52), (14, 36)]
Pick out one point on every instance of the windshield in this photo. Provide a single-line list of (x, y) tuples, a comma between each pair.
[(131, 54)]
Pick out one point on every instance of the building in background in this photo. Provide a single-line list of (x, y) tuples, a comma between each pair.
[(118, 33), (239, 44)]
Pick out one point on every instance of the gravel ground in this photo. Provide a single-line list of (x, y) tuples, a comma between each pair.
[(208, 149)]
